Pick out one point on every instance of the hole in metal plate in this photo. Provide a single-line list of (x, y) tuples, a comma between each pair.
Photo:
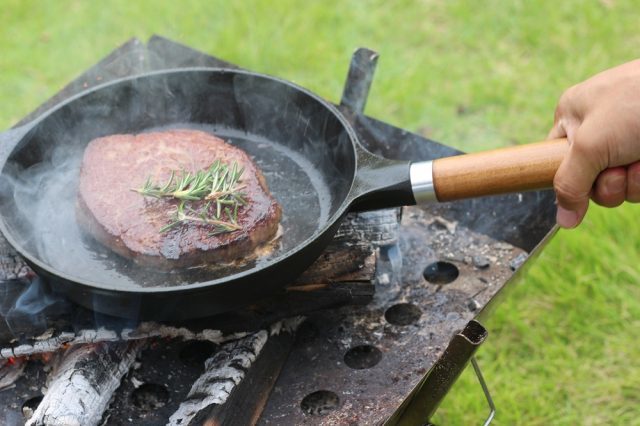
[(441, 273), (403, 314), (320, 403), (150, 396), (362, 356)]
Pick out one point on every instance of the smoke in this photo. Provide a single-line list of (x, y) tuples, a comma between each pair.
[(26, 305), (44, 197)]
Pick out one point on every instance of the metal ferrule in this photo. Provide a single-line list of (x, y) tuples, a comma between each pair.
[(421, 176)]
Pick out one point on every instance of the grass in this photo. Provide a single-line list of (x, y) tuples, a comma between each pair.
[(475, 75)]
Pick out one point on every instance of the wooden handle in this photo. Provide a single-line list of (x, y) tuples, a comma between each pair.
[(513, 169)]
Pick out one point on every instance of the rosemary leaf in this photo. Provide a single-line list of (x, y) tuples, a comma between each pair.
[(219, 183)]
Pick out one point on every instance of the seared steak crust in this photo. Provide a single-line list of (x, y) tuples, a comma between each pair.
[(130, 223)]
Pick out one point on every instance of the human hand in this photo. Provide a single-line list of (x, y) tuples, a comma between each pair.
[(600, 117)]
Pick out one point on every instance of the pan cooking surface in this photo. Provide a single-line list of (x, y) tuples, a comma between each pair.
[(57, 240)]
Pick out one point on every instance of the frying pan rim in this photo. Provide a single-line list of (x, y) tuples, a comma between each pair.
[(191, 287)]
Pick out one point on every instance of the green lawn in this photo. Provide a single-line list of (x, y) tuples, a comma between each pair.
[(563, 349)]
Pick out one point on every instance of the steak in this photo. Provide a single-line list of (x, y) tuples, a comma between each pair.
[(132, 225)]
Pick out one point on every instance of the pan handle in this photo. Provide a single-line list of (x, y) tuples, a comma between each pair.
[(380, 183), (499, 171)]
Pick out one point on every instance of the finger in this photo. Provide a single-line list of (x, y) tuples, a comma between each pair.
[(566, 126), (567, 116), (633, 183), (557, 131), (610, 188)]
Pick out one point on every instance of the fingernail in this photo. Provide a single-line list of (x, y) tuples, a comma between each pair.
[(566, 218)]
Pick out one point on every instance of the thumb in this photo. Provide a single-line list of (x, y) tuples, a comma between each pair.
[(574, 180)]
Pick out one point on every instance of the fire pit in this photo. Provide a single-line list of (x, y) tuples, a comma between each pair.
[(376, 331)]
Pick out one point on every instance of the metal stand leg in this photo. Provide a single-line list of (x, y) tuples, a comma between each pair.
[(487, 395), (439, 380)]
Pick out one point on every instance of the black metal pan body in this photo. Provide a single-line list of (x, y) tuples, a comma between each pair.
[(314, 165)]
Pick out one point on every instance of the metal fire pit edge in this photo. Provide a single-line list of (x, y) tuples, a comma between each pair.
[(427, 396)]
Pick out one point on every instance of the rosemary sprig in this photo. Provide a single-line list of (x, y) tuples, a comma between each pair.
[(218, 187), (186, 214)]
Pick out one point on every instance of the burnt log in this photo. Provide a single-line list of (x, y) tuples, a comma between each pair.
[(10, 371), (12, 265), (238, 379), (82, 382), (145, 330)]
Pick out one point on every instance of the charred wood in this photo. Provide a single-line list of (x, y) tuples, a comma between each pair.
[(355, 241), (234, 387), (82, 383), (10, 371), (144, 331), (12, 265)]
